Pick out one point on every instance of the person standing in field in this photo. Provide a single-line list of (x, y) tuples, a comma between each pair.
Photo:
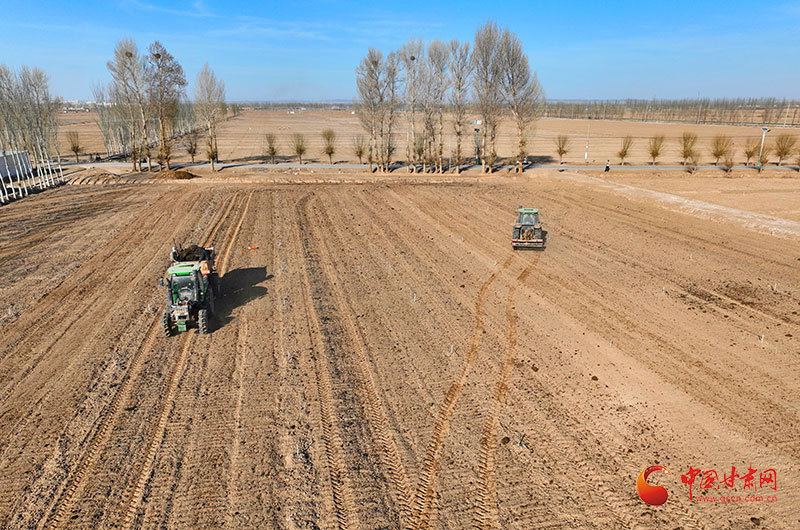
[(608, 166)]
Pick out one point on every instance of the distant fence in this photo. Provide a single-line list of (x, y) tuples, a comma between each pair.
[(18, 177), (12, 163)]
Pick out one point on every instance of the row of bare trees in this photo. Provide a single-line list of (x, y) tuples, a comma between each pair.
[(722, 148), (145, 106), (492, 78), (298, 147), (27, 134), (740, 111)]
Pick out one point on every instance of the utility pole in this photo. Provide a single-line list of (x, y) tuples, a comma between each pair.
[(764, 131), (586, 154)]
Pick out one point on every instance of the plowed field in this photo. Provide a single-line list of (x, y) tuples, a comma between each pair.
[(381, 358)]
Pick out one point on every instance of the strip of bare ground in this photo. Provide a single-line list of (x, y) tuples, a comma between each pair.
[(486, 509), (343, 503), (374, 406), (754, 221), (109, 417), (425, 502), (135, 495)]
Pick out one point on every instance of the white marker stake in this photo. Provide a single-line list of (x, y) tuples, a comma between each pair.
[(762, 338), (451, 350), (611, 343)]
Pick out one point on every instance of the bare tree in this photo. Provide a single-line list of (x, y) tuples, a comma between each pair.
[(521, 90), (359, 147), (692, 163), (74, 143), (439, 60), (167, 87), (625, 149), (190, 143), (720, 146), (410, 57), (750, 150), (390, 101), (461, 68), (130, 79), (655, 148), (486, 82), (688, 142), (784, 146), (209, 105), (729, 160), (368, 80), (27, 121), (35, 110), (377, 81), (424, 145), (764, 158), (562, 146), (299, 146), (127, 72), (272, 146), (329, 139)]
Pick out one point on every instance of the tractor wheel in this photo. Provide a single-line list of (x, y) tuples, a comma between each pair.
[(210, 302), (166, 324), (202, 321)]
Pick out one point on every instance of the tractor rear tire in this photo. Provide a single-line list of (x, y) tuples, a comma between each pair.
[(166, 324), (210, 303), (202, 321)]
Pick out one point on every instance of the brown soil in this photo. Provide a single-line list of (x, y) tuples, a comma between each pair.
[(381, 358), (174, 174)]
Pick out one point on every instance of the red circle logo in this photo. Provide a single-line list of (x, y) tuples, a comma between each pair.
[(652, 495)]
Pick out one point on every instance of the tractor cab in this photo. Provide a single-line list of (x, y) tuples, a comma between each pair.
[(528, 217)]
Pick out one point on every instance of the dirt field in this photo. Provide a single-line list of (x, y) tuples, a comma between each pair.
[(383, 359), (241, 139)]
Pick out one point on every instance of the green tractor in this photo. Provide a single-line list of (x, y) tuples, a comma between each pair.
[(191, 284), (528, 232)]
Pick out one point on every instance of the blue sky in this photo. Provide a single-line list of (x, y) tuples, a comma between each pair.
[(286, 51)]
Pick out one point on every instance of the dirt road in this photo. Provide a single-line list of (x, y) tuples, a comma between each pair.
[(383, 359)]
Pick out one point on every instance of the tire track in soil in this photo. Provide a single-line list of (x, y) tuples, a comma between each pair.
[(486, 515), (102, 434), (30, 329), (113, 249), (374, 405), (425, 501), (154, 443), (241, 352), (108, 418), (343, 502), (76, 315), (695, 291), (92, 435)]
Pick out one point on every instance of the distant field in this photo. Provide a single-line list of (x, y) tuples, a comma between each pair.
[(242, 138)]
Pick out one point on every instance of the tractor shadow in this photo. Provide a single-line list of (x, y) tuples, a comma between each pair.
[(238, 287)]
